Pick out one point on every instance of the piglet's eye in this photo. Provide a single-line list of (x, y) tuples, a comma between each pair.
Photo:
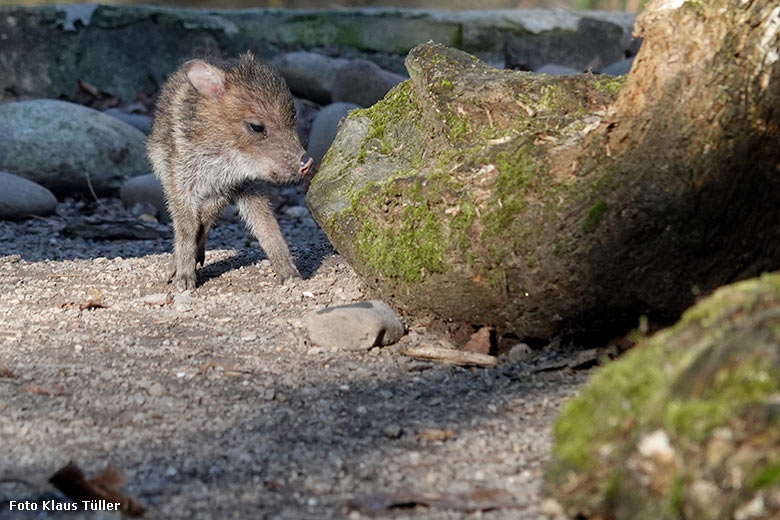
[(258, 129)]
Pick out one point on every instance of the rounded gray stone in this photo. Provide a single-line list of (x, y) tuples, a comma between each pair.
[(145, 189), (363, 82), (356, 326), (305, 112), (21, 198), (324, 128), (139, 121), (68, 147), (308, 74)]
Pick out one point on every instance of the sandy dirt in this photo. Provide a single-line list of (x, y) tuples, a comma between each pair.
[(215, 404)]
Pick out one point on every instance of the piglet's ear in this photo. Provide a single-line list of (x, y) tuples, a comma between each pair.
[(207, 79)]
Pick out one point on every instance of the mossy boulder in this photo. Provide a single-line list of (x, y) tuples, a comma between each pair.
[(548, 206), (687, 425), (434, 189)]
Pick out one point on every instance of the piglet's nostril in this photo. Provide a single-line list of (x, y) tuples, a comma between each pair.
[(306, 163)]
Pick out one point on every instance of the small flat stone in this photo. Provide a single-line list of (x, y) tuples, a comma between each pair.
[(357, 326)]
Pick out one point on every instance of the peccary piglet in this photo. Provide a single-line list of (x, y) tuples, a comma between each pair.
[(224, 130)]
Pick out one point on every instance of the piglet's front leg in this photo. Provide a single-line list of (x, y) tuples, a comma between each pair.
[(256, 211)]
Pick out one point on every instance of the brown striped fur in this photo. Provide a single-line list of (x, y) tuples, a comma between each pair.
[(206, 150)]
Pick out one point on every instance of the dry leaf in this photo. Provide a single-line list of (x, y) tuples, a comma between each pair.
[(92, 96), (479, 342), (55, 391), (71, 481), (8, 373), (92, 304)]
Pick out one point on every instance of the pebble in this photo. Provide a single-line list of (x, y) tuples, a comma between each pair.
[(356, 326), (518, 353), (156, 390), (21, 198), (392, 431), (297, 211)]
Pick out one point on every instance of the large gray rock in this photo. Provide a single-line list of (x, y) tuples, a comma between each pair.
[(363, 83), (20, 198), (67, 147), (324, 128), (356, 326), (100, 44), (309, 75)]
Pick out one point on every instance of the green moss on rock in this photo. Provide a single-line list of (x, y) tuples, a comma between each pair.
[(394, 107), (717, 370), (594, 215), (609, 84), (407, 251)]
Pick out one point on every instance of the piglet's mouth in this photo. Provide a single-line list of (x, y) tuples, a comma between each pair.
[(306, 165)]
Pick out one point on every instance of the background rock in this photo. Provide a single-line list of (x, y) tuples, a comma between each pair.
[(309, 75), (363, 83), (586, 40), (305, 112), (619, 68), (65, 147), (144, 190), (686, 422), (105, 50), (324, 128), (20, 197), (140, 121)]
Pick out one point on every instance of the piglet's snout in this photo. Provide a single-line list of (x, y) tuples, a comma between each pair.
[(306, 163)]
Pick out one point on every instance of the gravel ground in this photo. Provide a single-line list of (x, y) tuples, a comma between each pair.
[(216, 405)]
